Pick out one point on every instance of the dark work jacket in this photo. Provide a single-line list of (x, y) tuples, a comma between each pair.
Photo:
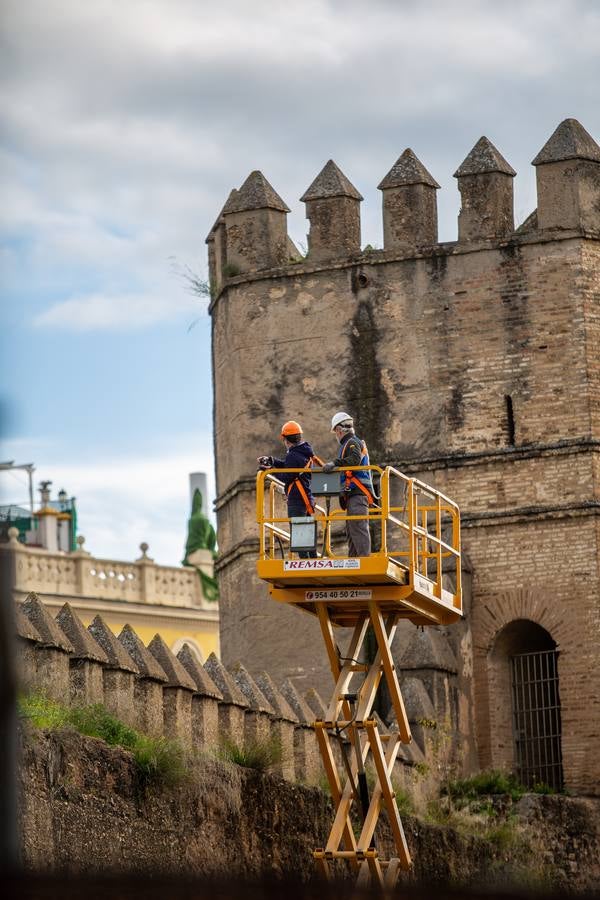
[(353, 456), (296, 458)]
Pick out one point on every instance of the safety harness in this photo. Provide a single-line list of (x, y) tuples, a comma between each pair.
[(297, 483), (350, 477)]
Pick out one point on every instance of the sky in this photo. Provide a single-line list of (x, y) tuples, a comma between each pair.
[(126, 125)]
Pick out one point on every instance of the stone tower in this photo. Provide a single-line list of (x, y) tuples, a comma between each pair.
[(473, 365)]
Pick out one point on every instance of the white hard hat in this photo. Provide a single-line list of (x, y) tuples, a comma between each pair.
[(339, 418)]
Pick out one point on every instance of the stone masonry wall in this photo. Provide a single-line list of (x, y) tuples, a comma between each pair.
[(205, 707), (473, 365)]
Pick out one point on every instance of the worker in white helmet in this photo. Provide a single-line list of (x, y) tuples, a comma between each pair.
[(357, 487)]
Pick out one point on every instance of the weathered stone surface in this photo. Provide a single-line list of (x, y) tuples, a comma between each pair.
[(228, 206), (51, 635), (428, 649), (330, 182), (117, 655), (301, 709), (249, 688), (177, 674), (274, 697), (25, 627), (315, 703), (147, 665), (484, 158), (530, 224), (417, 702), (202, 680), (80, 814), (408, 169), (225, 683), (568, 179), (255, 193), (569, 140), (84, 644)]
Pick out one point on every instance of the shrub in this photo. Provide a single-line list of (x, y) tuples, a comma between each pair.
[(259, 754), (96, 721), (43, 713), (159, 760), (493, 782)]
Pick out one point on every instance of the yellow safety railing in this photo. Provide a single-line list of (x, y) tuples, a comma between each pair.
[(414, 525)]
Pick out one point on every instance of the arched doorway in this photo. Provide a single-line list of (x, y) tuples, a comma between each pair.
[(530, 658)]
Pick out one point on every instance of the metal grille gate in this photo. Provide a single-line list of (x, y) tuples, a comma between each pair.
[(536, 718)]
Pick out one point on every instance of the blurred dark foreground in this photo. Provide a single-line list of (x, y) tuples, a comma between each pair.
[(40, 887)]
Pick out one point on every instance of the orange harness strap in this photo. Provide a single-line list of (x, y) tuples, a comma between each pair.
[(351, 476), (351, 479), (297, 483)]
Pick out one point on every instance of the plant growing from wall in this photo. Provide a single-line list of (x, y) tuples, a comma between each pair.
[(159, 761)]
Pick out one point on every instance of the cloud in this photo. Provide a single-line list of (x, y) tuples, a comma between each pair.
[(124, 500), (125, 125), (117, 312)]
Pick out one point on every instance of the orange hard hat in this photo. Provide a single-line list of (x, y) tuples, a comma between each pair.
[(289, 428)]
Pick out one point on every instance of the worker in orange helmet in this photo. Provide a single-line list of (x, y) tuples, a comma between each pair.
[(299, 455)]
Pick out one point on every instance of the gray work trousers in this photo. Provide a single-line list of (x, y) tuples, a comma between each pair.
[(357, 531)]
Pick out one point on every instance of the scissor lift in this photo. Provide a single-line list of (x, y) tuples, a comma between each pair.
[(414, 574)]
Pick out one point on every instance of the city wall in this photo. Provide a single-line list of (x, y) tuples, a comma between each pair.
[(207, 707)]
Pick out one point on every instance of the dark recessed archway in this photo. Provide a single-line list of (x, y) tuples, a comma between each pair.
[(528, 655)]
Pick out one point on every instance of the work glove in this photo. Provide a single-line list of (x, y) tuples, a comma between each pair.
[(264, 462), (329, 467)]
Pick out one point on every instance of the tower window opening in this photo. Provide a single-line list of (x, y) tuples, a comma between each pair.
[(510, 419)]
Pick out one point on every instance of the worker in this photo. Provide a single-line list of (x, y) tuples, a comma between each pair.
[(299, 455), (357, 487)]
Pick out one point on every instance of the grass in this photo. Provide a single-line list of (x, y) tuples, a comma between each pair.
[(158, 760), (491, 783), (260, 755)]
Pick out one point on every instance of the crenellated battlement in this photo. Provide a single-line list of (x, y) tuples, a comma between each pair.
[(250, 235), (204, 706)]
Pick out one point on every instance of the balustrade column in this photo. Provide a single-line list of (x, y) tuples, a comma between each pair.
[(83, 579), (147, 571)]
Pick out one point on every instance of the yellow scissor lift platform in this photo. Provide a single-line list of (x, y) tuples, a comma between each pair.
[(414, 574)]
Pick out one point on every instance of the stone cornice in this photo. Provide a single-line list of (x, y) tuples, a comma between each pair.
[(381, 257), (525, 514), (570, 447), (481, 457), (242, 548)]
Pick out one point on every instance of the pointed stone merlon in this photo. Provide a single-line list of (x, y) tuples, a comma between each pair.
[(205, 709), (485, 182), (333, 210), (409, 205), (233, 706), (148, 685), (87, 659), (50, 671), (254, 235), (217, 247), (568, 179), (119, 674), (177, 692)]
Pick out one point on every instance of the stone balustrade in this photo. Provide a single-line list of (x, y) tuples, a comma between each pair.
[(79, 574)]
